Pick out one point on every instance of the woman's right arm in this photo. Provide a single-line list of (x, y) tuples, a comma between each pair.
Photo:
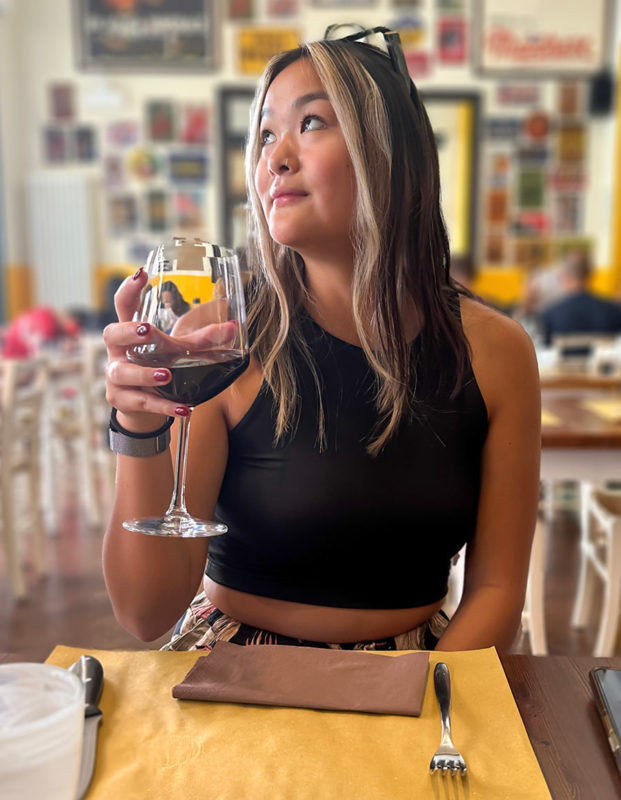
[(151, 580)]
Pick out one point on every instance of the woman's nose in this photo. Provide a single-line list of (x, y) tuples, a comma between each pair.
[(281, 162)]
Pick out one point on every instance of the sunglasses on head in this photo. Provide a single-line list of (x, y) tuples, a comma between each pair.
[(383, 39)]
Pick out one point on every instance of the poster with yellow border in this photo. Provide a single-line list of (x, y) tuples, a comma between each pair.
[(255, 47)]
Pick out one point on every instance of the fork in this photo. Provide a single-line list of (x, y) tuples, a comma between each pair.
[(446, 757)]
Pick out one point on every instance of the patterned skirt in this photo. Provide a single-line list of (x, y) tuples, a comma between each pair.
[(203, 625)]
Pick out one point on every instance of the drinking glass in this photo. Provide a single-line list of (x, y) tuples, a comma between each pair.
[(194, 297), (41, 728)]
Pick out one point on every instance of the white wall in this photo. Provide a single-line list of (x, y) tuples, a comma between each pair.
[(12, 140)]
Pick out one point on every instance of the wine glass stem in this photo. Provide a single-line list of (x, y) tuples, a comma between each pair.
[(177, 503)]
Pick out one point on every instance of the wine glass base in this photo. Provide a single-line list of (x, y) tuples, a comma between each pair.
[(182, 526)]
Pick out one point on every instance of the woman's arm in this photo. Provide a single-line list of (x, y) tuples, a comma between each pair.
[(497, 559), (151, 580)]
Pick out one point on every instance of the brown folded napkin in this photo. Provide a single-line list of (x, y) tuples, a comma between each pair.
[(308, 677)]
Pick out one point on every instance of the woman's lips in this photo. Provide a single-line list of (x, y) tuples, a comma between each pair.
[(286, 198)]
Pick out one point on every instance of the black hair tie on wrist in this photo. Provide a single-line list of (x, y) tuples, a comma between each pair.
[(116, 426)]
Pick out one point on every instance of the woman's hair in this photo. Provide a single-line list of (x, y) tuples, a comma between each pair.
[(401, 248), (178, 303)]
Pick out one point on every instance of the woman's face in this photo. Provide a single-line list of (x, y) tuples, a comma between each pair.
[(304, 177), (167, 298)]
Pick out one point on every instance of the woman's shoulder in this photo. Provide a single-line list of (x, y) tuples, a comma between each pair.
[(502, 353), (480, 320)]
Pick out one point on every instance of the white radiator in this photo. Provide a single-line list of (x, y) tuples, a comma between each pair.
[(59, 212)]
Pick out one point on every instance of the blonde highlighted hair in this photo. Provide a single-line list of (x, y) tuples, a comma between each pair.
[(401, 251)]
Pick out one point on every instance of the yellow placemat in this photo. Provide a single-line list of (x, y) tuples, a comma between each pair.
[(151, 745), (548, 418), (607, 409)]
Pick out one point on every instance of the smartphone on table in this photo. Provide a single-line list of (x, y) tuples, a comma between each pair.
[(607, 685)]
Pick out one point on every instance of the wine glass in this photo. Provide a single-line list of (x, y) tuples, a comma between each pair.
[(194, 298)]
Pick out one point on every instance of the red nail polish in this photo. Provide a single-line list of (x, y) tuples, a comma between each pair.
[(161, 375), (143, 329), (182, 411), (137, 274)]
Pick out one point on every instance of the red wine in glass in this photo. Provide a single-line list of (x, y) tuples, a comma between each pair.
[(204, 344)]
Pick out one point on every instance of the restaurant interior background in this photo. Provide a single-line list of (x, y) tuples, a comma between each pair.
[(112, 139), (105, 151)]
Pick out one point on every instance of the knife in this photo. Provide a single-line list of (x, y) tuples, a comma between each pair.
[(90, 672)]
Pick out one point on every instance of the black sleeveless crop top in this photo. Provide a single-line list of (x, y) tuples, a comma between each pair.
[(341, 528)]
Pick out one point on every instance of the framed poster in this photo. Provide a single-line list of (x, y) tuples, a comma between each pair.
[(455, 119), (572, 142), (194, 124), (530, 189), (146, 36), (62, 103), (240, 9), (451, 40), (234, 115), (552, 38), (569, 212), (157, 210), (56, 144), (571, 100), (113, 171), (85, 148), (187, 167), (189, 209), (122, 133), (342, 3), (160, 123), (255, 46), (122, 214)]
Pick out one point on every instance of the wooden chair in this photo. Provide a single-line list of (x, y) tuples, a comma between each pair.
[(600, 558), (23, 390), (533, 619), (577, 351), (73, 427), (103, 460), (606, 358), (533, 616)]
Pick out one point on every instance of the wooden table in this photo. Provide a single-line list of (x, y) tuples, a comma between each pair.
[(582, 445), (555, 699), (568, 379)]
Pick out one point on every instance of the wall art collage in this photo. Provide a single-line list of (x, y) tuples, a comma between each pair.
[(515, 161)]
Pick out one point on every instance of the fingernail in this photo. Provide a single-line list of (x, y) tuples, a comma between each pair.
[(182, 411), (143, 329), (137, 274), (161, 375)]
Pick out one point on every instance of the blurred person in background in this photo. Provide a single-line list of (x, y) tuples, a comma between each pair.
[(579, 310), (35, 329), (542, 287)]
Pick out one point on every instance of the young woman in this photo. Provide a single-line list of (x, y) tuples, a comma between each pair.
[(173, 299), (386, 418)]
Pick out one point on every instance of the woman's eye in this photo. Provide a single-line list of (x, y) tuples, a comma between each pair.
[(311, 123), (267, 137)]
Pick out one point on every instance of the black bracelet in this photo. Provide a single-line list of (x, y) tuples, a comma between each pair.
[(116, 426)]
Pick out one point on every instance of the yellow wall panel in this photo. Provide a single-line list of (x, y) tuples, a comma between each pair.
[(18, 289)]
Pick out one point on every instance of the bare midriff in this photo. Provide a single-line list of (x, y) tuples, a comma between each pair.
[(316, 623)]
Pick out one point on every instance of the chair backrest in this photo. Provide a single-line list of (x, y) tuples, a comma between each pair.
[(22, 385), (606, 358), (608, 500), (95, 359), (577, 350)]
